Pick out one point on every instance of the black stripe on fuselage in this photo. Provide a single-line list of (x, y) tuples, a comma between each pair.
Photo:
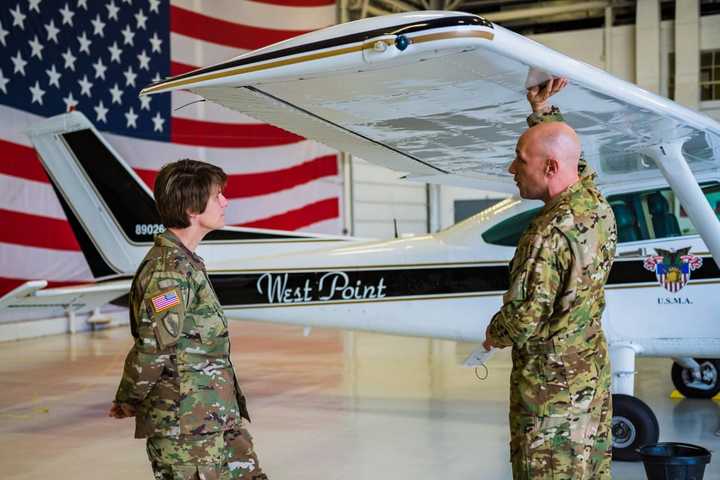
[(418, 26), (130, 205), (278, 287)]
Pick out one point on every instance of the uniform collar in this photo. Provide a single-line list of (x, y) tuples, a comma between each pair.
[(168, 239), (585, 170), (566, 193), (587, 178)]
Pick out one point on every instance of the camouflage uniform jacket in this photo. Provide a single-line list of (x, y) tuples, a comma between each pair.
[(552, 311), (178, 375)]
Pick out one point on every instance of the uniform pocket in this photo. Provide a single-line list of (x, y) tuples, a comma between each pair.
[(207, 402), (571, 382), (196, 472), (211, 327), (554, 385)]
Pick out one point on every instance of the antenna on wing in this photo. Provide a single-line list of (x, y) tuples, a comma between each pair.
[(188, 104), (395, 226)]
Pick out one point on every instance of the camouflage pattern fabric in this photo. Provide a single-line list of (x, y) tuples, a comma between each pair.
[(560, 410), (227, 455), (178, 375)]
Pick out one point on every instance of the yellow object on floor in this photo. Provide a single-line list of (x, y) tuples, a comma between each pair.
[(676, 394)]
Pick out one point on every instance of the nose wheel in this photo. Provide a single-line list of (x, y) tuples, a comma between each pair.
[(633, 425), (700, 382)]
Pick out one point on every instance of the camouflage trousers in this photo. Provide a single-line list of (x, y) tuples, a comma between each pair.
[(573, 446), (227, 455)]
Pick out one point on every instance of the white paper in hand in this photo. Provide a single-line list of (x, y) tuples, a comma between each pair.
[(478, 357)]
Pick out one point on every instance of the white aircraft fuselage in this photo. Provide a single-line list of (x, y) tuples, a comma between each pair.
[(449, 284)]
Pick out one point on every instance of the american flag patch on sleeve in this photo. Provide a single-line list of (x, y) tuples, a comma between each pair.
[(165, 300)]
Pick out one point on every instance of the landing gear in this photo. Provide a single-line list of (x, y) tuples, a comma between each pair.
[(696, 378), (633, 425)]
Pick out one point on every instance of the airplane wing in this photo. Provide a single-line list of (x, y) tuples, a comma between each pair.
[(450, 106), (33, 300), (441, 97)]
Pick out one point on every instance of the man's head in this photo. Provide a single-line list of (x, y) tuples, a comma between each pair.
[(546, 160), (190, 191)]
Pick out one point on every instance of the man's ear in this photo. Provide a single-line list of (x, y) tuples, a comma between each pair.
[(551, 167)]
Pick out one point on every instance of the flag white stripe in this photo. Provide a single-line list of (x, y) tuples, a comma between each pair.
[(29, 197), (244, 210), (186, 105), (25, 262), (256, 14), (199, 53), (332, 226), (14, 123), (152, 155)]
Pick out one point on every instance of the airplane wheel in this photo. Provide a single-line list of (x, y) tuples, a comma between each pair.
[(707, 386), (633, 425)]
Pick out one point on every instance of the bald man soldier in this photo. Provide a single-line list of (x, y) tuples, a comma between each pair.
[(560, 409)]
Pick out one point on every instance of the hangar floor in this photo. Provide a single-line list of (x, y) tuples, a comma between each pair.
[(329, 406)]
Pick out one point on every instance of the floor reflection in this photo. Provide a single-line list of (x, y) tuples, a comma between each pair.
[(333, 405)]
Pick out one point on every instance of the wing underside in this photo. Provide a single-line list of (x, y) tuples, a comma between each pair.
[(451, 105)]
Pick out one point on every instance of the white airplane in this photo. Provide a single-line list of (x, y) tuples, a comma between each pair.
[(438, 96)]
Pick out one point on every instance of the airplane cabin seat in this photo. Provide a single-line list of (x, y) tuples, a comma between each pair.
[(628, 230), (664, 223)]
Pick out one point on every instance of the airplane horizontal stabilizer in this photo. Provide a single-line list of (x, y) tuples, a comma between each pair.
[(33, 300)]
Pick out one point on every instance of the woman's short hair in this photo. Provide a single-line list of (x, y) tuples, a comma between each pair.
[(185, 186)]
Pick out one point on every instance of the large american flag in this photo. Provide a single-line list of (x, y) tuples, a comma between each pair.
[(94, 56)]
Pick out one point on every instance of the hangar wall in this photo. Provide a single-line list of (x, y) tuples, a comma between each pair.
[(379, 195)]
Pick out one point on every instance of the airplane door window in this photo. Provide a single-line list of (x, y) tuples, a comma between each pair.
[(712, 193), (640, 216), (656, 213)]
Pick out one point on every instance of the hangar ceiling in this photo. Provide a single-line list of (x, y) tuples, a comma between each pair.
[(524, 16)]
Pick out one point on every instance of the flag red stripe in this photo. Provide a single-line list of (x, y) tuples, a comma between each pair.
[(264, 183), (21, 161), (229, 135), (222, 32), (298, 3), (36, 231), (300, 217), (7, 284), (177, 68), (253, 184)]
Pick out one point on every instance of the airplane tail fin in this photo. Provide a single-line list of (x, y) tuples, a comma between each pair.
[(111, 211), (102, 198)]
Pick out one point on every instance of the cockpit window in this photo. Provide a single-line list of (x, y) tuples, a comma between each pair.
[(509, 231)]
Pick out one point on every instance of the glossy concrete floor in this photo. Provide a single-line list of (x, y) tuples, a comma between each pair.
[(332, 405)]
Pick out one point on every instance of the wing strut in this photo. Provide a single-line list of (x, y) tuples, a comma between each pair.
[(671, 161)]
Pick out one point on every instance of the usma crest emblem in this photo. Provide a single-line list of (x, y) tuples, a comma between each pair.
[(672, 268)]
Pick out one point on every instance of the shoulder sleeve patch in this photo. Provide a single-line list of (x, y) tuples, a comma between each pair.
[(165, 301)]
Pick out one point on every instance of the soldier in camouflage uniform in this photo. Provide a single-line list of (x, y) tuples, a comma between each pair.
[(560, 404), (178, 380)]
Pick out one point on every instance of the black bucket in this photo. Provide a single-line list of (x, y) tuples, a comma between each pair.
[(674, 461)]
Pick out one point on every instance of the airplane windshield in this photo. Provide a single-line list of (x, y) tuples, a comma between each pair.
[(509, 231)]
